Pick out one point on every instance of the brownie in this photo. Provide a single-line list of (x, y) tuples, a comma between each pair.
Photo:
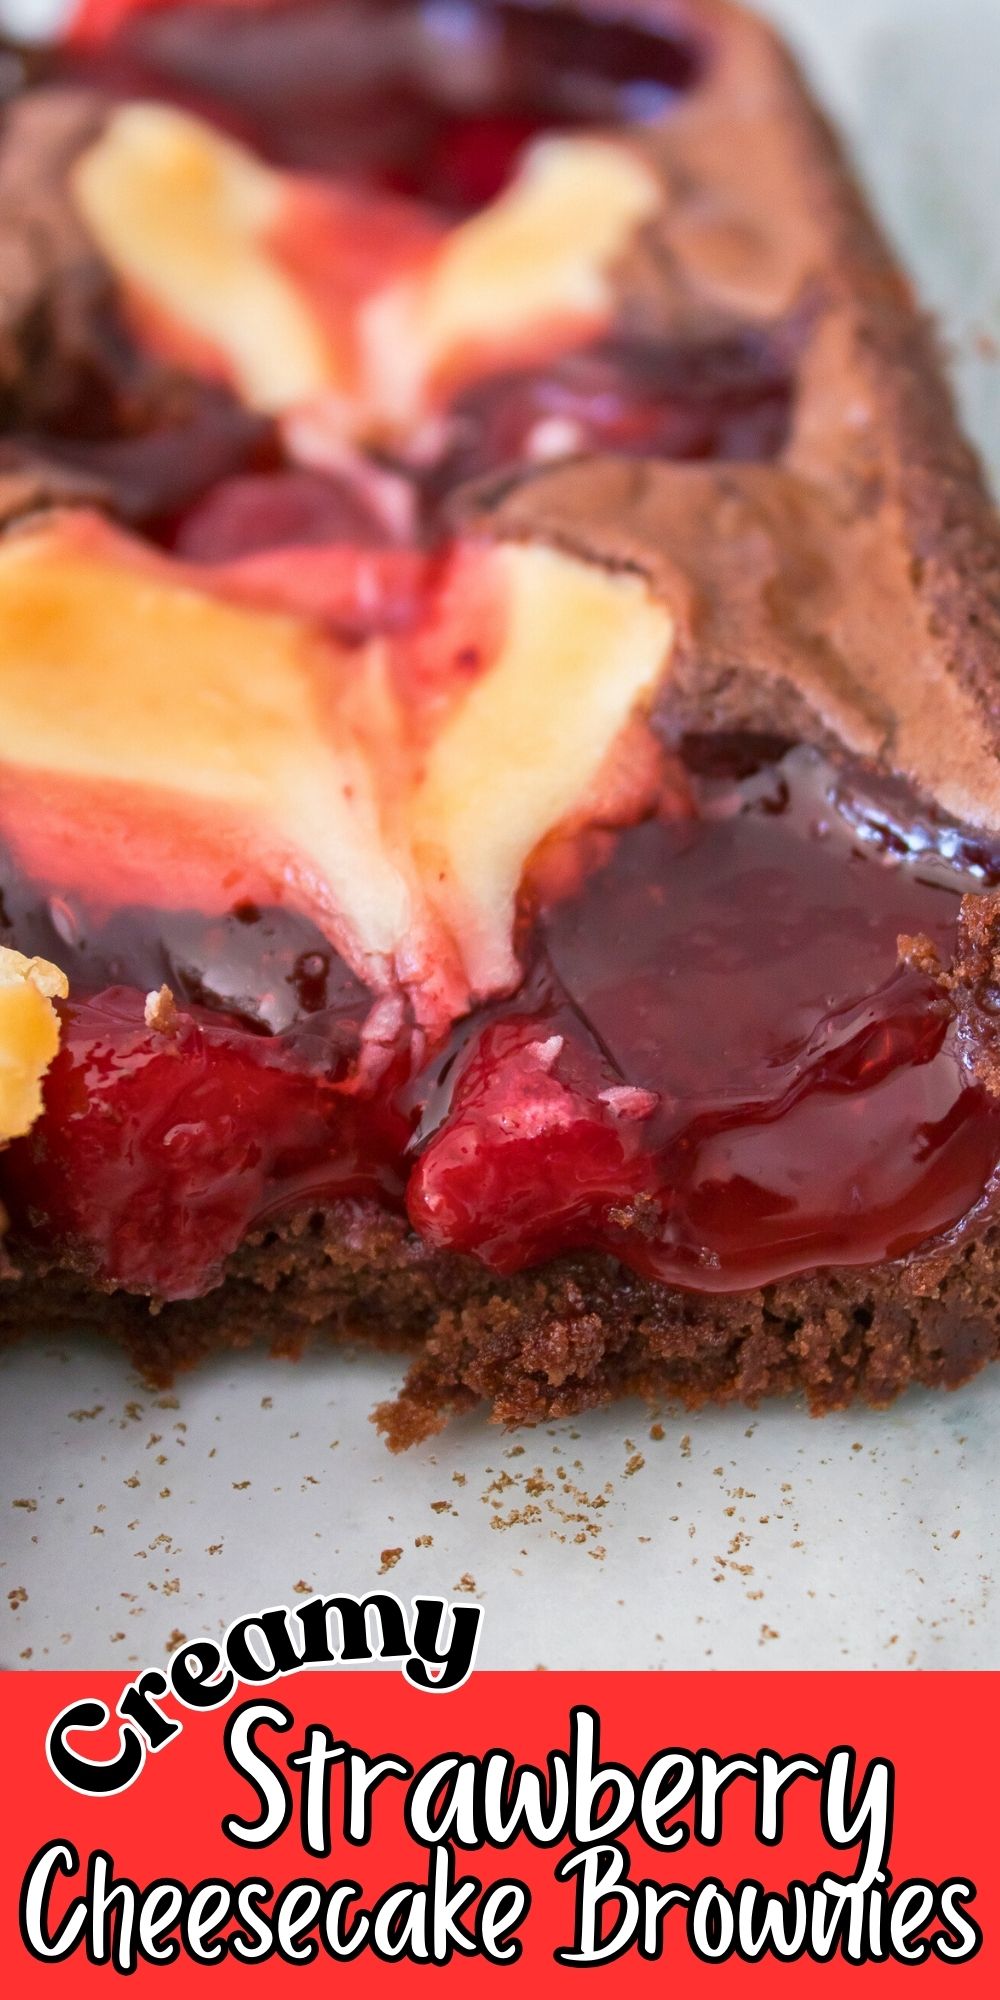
[(834, 578)]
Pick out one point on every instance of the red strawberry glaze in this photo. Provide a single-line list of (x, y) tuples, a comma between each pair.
[(539, 1145), (304, 542), (788, 1096), (416, 97), (725, 399), (877, 1144), (258, 512), (337, 538), (467, 161), (160, 1151), (716, 1069), (730, 399)]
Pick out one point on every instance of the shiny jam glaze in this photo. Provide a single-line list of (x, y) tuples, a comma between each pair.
[(269, 970), (159, 1152), (432, 98), (728, 398), (219, 486), (716, 1068)]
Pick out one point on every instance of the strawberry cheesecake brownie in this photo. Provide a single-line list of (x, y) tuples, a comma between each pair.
[(499, 715)]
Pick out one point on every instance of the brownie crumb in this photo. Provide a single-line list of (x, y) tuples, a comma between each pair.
[(160, 1012)]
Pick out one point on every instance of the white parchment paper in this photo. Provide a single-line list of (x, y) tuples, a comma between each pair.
[(628, 1538)]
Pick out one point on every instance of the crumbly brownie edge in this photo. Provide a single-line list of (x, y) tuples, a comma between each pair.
[(551, 1342)]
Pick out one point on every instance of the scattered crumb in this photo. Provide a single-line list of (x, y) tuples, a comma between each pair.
[(519, 1517), (160, 1011)]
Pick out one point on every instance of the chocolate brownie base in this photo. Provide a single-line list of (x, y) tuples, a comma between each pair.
[(568, 1337)]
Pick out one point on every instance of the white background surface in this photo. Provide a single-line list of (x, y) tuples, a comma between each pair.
[(730, 1539)]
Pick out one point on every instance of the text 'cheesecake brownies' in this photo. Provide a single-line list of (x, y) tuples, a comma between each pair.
[(499, 714)]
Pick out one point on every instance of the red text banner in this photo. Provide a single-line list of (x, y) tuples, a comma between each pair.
[(666, 1832)]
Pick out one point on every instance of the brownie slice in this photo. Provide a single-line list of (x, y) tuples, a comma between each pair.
[(763, 438)]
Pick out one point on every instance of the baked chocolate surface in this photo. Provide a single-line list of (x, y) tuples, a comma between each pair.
[(844, 593)]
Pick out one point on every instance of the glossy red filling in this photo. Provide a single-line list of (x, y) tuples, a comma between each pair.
[(716, 1068), (432, 98), (719, 1071), (159, 1152), (217, 485), (728, 398)]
